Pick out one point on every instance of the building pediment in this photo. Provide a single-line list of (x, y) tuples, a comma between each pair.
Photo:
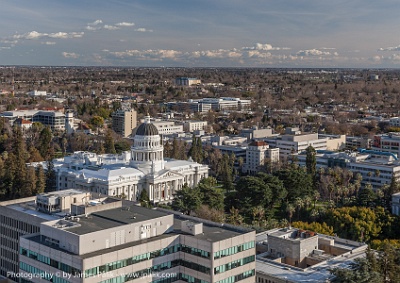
[(167, 175)]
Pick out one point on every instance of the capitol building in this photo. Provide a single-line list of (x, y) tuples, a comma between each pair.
[(127, 174)]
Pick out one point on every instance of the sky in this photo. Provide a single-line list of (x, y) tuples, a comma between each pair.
[(206, 33)]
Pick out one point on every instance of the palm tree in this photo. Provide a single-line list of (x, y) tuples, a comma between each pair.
[(290, 209), (316, 197), (299, 203)]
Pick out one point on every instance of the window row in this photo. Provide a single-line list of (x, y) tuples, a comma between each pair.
[(234, 250), (33, 272), (148, 272), (238, 277), (234, 264), (51, 262), (143, 257)]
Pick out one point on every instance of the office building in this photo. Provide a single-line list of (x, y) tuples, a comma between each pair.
[(376, 168), (124, 121), (396, 204), (191, 126), (389, 142), (294, 142), (358, 142), (24, 216), (54, 119), (126, 243), (185, 81), (257, 154), (256, 133), (167, 127)]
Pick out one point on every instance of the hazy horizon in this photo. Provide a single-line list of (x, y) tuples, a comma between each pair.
[(240, 34)]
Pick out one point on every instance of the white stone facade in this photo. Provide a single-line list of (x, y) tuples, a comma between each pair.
[(126, 175)]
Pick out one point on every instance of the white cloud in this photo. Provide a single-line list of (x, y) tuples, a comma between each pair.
[(37, 35), (92, 28), (125, 24), (95, 23), (110, 27), (64, 35), (394, 48), (143, 30), (70, 55), (264, 47), (49, 43), (258, 54), (30, 35), (312, 52), (5, 47)]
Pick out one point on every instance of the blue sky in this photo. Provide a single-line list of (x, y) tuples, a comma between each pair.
[(194, 33)]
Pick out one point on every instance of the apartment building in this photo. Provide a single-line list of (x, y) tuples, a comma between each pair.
[(291, 255), (124, 121), (130, 243)]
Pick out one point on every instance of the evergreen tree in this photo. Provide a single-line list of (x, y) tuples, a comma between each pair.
[(40, 180), (167, 149), (109, 146), (311, 164), (175, 149), (225, 172), (211, 194), (45, 142), (144, 199), (51, 177), (199, 151), (19, 152), (29, 188), (187, 199)]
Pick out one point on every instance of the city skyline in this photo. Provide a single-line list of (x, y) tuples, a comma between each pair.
[(357, 34)]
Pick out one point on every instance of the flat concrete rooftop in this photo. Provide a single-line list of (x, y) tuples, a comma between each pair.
[(106, 219)]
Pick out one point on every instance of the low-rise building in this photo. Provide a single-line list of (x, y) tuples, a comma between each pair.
[(290, 255), (191, 126), (295, 142), (376, 168), (358, 142), (256, 133), (396, 204), (54, 119), (37, 93), (389, 142), (168, 127)]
